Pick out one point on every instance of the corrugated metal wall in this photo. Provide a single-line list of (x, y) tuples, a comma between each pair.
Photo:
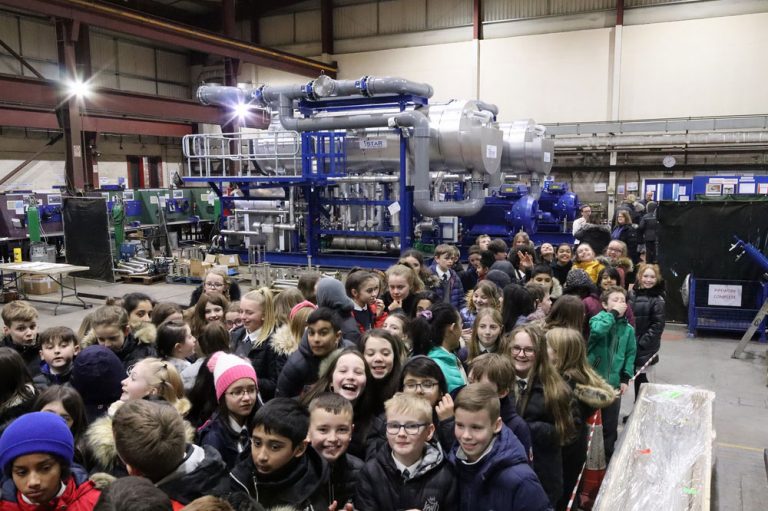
[(117, 63)]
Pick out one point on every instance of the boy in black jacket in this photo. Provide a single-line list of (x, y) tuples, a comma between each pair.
[(58, 349), (330, 432), (20, 333), (411, 472), (281, 471), (150, 438)]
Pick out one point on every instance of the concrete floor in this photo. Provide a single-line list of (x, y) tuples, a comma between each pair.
[(741, 405)]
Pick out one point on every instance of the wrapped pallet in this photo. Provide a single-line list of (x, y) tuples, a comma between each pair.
[(665, 459)]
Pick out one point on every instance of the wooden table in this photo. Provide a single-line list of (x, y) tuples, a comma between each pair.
[(57, 272)]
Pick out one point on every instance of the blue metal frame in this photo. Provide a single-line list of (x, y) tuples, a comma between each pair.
[(323, 157)]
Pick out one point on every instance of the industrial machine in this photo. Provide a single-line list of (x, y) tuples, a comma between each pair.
[(350, 172)]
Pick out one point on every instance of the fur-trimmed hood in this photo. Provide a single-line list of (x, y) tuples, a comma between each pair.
[(143, 331), (100, 442), (624, 263), (283, 341), (597, 397)]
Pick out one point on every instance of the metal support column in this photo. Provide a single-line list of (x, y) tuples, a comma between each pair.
[(70, 110)]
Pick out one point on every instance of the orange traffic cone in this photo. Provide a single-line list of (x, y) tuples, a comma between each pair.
[(594, 468)]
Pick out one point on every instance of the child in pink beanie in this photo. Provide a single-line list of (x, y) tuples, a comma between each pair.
[(238, 397)]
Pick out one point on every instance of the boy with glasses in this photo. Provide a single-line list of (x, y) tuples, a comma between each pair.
[(411, 471)]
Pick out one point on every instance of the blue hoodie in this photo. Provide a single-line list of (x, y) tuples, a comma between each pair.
[(500, 481)]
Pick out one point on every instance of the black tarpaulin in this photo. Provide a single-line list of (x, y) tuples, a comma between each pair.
[(86, 236), (694, 238)]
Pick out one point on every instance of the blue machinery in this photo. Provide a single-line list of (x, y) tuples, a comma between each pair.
[(758, 258), (368, 169)]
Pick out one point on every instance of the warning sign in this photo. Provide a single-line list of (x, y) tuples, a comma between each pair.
[(724, 295)]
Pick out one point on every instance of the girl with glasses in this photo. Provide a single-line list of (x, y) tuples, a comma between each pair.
[(238, 397), (216, 280), (545, 402)]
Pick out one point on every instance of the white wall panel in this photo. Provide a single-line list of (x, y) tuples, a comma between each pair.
[(307, 26), (49, 70), (695, 68), (103, 52), (105, 79), (448, 67), (173, 91), (9, 28), (448, 13), (549, 77), (137, 85), (397, 16), (38, 40), (276, 30), (355, 21), (557, 7), (496, 10), (135, 59), (172, 66), (9, 65)]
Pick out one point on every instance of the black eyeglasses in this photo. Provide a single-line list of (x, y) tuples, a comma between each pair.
[(411, 428), (426, 385)]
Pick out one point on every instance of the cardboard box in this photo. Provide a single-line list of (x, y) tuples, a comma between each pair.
[(229, 260), (197, 268), (39, 285)]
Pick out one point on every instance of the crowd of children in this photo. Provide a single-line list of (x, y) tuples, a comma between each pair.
[(426, 387)]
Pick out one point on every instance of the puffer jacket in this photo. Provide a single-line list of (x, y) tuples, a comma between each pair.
[(202, 472), (650, 310), (99, 445), (611, 348), (30, 353), (500, 480), (80, 494), (138, 344), (302, 488), (46, 378), (266, 356), (229, 443), (345, 472), (301, 369), (432, 486), (457, 298)]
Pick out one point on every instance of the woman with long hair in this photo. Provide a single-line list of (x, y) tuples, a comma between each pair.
[(567, 353), (545, 401)]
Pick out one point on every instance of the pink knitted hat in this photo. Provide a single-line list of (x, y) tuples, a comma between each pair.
[(227, 369)]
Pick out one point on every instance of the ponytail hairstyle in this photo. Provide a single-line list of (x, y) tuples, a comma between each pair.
[(557, 393), (517, 302), (164, 378), (169, 335), (473, 346), (566, 312), (284, 302), (109, 315), (263, 297), (428, 328), (409, 274), (356, 279)]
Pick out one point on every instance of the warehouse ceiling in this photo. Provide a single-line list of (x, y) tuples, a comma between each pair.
[(199, 13)]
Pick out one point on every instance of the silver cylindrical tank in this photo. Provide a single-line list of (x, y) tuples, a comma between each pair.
[(463, 137), (526, 148)]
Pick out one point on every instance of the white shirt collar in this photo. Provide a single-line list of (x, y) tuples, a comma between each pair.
[(411, 468)]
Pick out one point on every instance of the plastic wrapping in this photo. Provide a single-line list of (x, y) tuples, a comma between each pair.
[(665, 458)]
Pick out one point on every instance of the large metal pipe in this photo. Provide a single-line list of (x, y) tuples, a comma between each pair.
[(325, 86), (421, 177), (673, 139)]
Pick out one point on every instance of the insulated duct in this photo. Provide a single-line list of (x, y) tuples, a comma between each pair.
[(676, 139)]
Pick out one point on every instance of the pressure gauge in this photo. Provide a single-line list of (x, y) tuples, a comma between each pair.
[(669, 161)]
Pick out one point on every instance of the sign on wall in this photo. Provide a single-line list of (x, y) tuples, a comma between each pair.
[(724, 295)]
